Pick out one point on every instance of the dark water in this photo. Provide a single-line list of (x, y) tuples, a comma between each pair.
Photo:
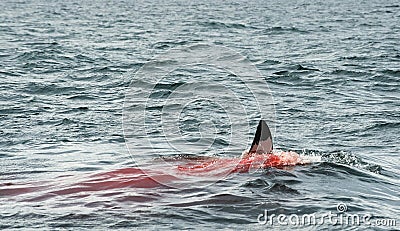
[(332, 67)]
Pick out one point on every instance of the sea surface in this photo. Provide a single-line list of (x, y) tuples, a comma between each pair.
[(331, 71)]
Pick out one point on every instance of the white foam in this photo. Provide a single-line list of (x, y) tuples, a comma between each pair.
[(310, 159)]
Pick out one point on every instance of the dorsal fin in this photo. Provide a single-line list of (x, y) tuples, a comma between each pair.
[(262, 142)]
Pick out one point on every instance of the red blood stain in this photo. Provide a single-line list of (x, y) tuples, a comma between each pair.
[(151, 178)]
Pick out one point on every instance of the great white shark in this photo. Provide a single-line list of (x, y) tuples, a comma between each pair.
[(262, 142), (261, 154)]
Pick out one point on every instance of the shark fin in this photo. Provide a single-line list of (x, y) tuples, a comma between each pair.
[(262, 143)]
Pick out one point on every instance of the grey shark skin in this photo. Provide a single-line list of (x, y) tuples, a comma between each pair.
[(262, 143)]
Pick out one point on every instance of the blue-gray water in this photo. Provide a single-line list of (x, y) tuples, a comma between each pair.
[(332, 67)]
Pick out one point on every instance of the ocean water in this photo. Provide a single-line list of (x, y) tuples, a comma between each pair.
[(332, 77)]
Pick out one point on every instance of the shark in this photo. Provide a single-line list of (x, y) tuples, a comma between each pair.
[(261, 154), (262, 142)]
